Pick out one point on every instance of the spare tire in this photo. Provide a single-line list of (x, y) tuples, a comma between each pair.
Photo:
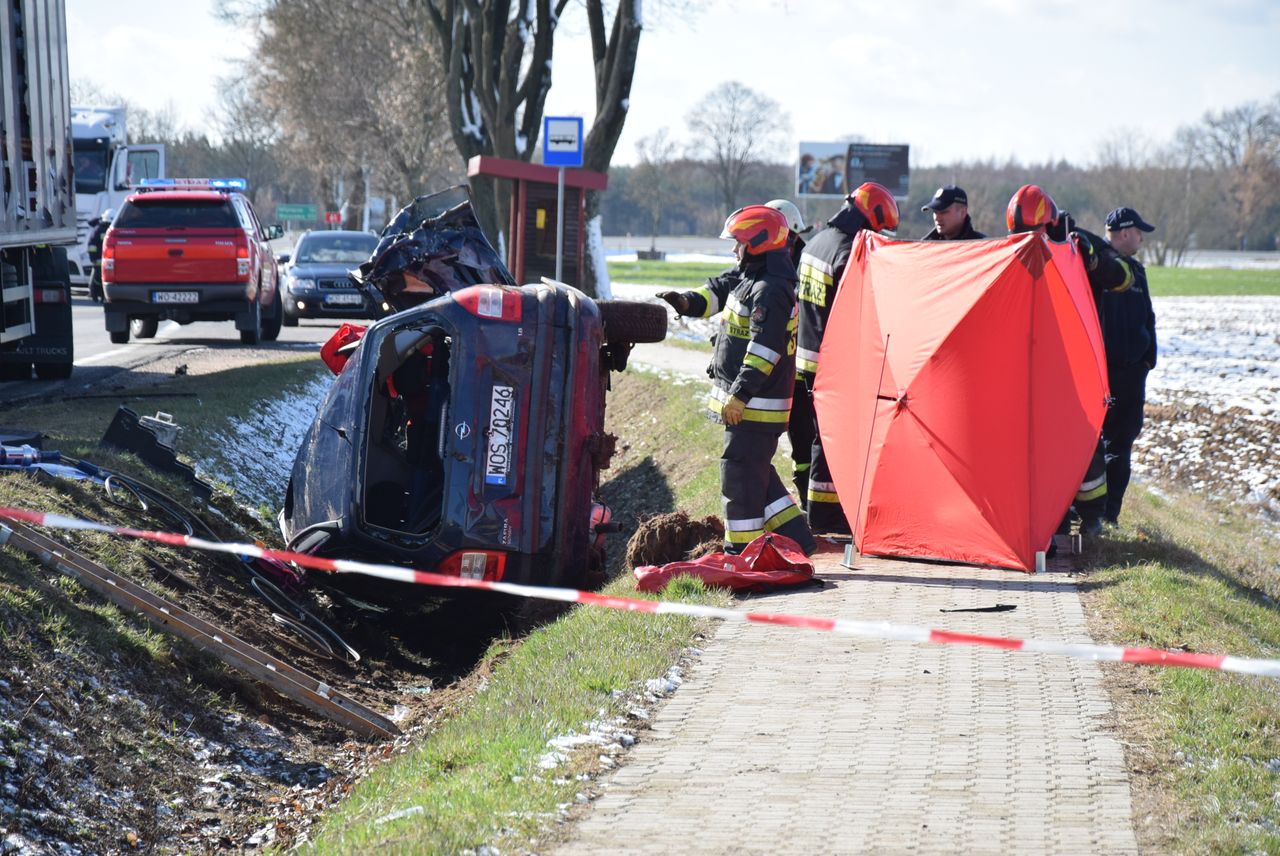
[(633, 321)]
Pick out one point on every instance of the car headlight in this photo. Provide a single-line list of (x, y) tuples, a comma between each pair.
[(300, 285)]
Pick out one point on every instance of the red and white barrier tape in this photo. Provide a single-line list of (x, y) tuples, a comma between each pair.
[(864, 629)]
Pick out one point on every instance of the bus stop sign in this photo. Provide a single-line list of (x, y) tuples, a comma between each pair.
[(562, 141)]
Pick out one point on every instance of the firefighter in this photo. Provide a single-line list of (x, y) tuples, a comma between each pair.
[(950, 209), (870, 206), (752, 370), (100, 225), (1033, 210)]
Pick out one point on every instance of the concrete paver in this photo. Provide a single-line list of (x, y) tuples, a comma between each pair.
[(787, 741)]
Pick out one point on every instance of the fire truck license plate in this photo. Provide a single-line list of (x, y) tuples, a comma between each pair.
[(502, 417), (175, 297)]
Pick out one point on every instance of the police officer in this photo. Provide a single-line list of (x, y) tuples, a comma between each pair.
[(752, 373), (100, 226), (1129, 336), (1033, 210), (870, 206), (950, 209)]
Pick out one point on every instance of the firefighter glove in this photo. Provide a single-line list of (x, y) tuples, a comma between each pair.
[(1087, 255), (678, 301)]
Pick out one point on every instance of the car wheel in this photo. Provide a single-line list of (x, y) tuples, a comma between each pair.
[(631, 321), (119, 337), (254, 334), (143, 328), (274, 319), (53, 371)]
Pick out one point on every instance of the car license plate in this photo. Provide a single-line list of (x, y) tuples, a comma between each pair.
[(175, 297), (343, 299), (502, 417)]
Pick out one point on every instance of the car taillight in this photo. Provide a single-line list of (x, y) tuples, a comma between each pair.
[(491, 301), (475, 565), (109, 253), (49, 295), (242, 258)]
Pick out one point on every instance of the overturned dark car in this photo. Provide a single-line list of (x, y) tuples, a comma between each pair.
[(465, 431)]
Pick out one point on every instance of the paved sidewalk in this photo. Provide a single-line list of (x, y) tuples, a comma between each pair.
[(787, 741)]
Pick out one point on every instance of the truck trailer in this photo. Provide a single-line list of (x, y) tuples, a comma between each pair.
[(37, 191)]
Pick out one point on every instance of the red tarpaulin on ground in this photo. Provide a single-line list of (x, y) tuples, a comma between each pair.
[(769, 562), (960, 393)]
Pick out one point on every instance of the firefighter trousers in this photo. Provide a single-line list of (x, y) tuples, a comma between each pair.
[(801, 431), (753, 497), (825, 513)]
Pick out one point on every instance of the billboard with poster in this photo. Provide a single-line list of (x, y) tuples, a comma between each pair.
[(833, 169)]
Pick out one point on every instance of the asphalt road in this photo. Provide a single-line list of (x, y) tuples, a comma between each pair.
[(97, 360)]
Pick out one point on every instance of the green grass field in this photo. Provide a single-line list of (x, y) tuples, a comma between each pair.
[(1165, 282)]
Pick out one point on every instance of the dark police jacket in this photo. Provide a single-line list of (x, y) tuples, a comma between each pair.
[(1124, 306), (968, 233), (754, 357), (821, 266)]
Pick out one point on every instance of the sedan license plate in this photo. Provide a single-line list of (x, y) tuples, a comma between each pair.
[(175, 297), (502, 417), (343, 299)]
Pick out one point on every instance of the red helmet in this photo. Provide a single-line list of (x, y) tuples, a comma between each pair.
[(757, 227), (1030, 207), (876, 204)]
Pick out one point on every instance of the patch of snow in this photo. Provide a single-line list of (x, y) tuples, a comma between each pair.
[(595, 248), (522, 143), (411, 811)]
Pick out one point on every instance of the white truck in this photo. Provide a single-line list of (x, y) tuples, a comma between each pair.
[(37, 191), (107, 169)]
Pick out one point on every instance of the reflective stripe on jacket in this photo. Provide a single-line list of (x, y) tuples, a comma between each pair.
[(754, 358)]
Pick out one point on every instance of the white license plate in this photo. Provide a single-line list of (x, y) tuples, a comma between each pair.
[(502, 418), (175, 297), (343, 299)]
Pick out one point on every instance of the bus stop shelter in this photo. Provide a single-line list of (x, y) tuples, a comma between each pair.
[(531, 230)]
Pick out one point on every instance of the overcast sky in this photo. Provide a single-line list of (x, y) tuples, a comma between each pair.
[(1029, 79)]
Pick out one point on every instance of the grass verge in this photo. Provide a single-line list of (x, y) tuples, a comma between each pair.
[(678, 276), (1203, 747), (1196, 282), (478, 779)]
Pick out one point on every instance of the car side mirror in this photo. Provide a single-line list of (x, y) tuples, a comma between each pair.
[(272, 232), (282, 259)]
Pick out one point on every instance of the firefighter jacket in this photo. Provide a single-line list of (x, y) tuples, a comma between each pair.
[(821, 266), (1125, 312), (754, 358), (96, 237), (968, 233)]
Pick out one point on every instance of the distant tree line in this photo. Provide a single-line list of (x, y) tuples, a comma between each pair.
[(1213, 186)]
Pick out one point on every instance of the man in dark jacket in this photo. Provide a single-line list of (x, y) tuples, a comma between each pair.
[(950, 209), (98, 233), (752, 371), (1129, 335), (822, 265)]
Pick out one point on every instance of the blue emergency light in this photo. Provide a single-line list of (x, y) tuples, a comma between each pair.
[(194, 183)]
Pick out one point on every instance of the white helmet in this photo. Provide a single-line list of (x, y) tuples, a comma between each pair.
[(108, 215), (794, 221)]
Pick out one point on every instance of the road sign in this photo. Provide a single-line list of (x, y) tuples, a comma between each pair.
[(562, 140), (292, 211), (332, 217)]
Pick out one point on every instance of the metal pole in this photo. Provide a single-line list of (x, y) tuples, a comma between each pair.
[(560, 224)]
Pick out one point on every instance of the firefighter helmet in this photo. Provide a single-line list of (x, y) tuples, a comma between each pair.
[(759, 228), (876, 204), (789, 210), (1030, 208)]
